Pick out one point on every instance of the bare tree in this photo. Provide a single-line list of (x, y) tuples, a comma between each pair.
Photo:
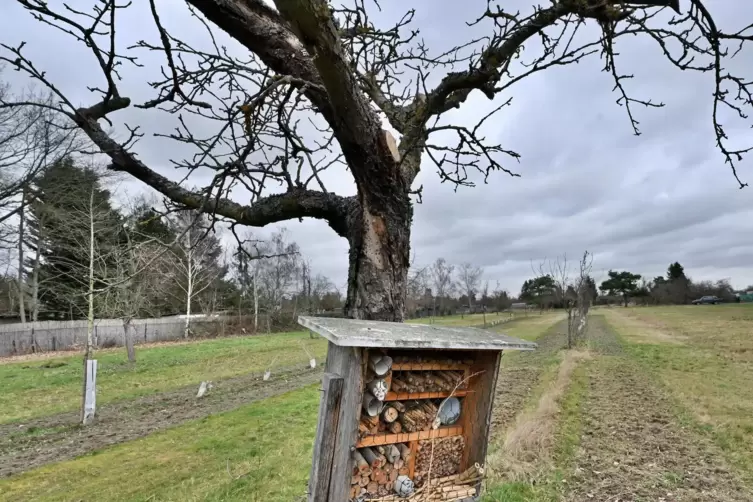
[(308, 57), (31, 138), (470, 280), (278, 272), (140, 269), (563, 292), (442, 280), (573, 294), (195, 256), (418, 283), (584, 286)]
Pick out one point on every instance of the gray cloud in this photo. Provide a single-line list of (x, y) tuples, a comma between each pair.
[(587, 182)]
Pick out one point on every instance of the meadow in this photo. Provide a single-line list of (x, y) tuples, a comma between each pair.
[(654, 403)]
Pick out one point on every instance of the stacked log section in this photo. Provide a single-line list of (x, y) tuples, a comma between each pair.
[(399, 417), (445, 459), (376, 469), (427, 381), (454, 488), (419, 416)]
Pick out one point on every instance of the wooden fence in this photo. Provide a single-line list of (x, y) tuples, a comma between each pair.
[(45, 336)]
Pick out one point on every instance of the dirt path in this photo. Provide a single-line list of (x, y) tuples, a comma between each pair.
[(518, 377), (55, 438), (632, 448)]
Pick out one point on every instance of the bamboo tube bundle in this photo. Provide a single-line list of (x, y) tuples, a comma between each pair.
[(368, 426), (398, 385), (444, 489), (377, 468)]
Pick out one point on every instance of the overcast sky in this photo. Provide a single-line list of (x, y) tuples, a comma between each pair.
[(637, 203)]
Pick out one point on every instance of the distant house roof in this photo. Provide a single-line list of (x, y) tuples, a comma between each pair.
[(359, 333)]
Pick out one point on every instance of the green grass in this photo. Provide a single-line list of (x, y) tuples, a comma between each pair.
[(704, 357), (265, 446), (29, 389), (548, 486), (249, 454)]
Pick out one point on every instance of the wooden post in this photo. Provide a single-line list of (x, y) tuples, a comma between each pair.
[(326, 434), (347, 363)]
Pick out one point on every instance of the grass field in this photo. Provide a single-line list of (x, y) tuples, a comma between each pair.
[(35, 388), (654, 405), (257, 452)]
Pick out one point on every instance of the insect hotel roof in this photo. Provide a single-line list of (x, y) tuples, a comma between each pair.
[(358, 333)]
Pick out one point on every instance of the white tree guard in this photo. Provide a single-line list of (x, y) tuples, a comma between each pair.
[(90, 395)]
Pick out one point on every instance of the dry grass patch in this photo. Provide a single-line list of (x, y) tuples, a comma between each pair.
[(710, 373), (641, 330), (529, 445)]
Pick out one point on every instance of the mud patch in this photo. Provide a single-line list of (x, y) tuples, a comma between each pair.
[(631, 447), (58, 437)]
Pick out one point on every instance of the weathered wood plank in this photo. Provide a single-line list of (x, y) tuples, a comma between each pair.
[(348, 363), (477, 407), (326, 434), (409, 396), (380, 439)]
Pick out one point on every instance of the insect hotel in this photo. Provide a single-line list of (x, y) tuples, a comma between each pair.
[(405, 410)]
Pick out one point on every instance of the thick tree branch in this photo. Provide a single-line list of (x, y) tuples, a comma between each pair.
[(262, 31), (454, 89), (356, 125), (296, 203)]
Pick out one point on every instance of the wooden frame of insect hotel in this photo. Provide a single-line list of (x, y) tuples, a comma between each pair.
[(405, 410)]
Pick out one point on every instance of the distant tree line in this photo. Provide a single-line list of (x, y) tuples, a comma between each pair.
[(68, 239), (625, 287)]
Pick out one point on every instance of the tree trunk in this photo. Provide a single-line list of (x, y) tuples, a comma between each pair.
[(379, 255), (35, 275), (21, 221), (256, 307), (128, 340), (89, 349), (189, 286)]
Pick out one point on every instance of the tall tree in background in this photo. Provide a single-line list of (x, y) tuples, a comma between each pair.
[(68, 202), (540, 290), (679, 284), (442, 278), (196, 254), (622, 283), (279, 272), (310, 57), (470, 281)]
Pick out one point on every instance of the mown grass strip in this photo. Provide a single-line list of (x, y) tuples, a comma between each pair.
[(39, 388), (258, 452)]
